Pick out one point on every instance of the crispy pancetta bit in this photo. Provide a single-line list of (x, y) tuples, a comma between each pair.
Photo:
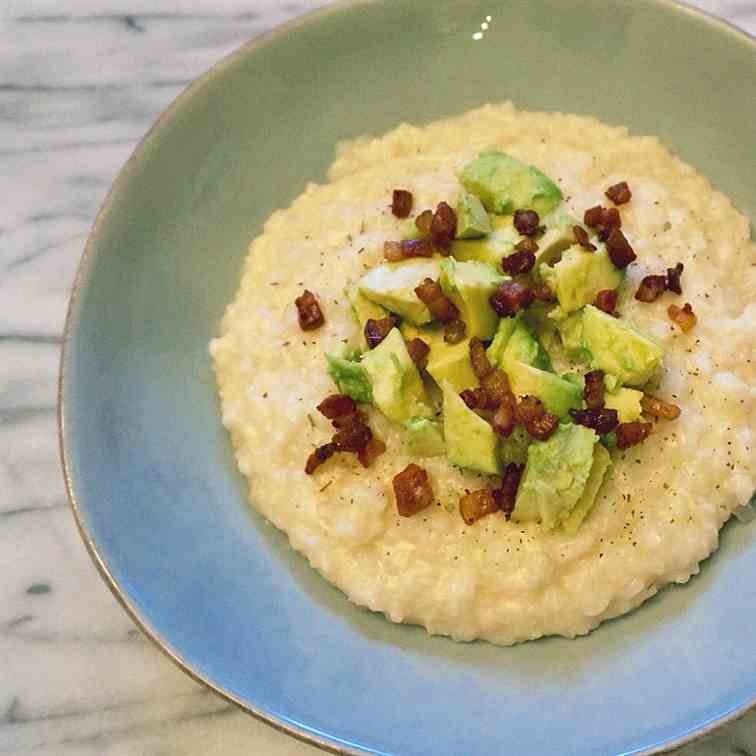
[(337, 405), (320, 455), (618, 247), (518, 263), (651, 288), (603, 219), (652, 405), (418, 351), (358, 417), (353, 434), (441, 307), (479, 359), (376, 330), (371, 451), (630, 434), (506, 494), (683, 316), (496, 386), (511, 297), (538, 423), (394, 251), (673, 278), (401, 203), (477, 504), (443, 227), (454, 331), (603, 420), (504, 418), (412, 490), (606, 301), (581, 237), (476, 399), (308, 311), (353, 438), (593, 393), (619, 193), (527, 222)]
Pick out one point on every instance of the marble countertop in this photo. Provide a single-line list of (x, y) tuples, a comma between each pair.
[(80, 83)]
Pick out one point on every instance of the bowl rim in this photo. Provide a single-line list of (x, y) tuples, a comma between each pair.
[(124, 173)]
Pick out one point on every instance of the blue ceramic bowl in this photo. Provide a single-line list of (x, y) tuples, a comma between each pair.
[(149, 468)]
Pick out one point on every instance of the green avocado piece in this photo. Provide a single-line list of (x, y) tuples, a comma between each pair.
[(469, 286), (472, 218), (451, 363), (351, 378), (501, 338), (430, 334), (557, 394), (504, 184), (570, 329), (555, 476), (601, 462), (396, 385), (491, 249), (392, 285), (470, 441), (627, 403), (618, 348), (524, 347), (425, 437), (579, 276), (515, 340), (558, 237), (514, 448), (363, 310)]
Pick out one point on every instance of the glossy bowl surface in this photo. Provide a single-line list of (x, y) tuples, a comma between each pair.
[(150, 470)]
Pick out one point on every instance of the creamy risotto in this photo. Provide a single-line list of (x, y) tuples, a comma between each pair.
[(662, 503)]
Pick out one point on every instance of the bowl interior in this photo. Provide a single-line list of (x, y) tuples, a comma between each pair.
[(151, 469)]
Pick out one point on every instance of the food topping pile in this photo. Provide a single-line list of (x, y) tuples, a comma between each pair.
[(491, 335)]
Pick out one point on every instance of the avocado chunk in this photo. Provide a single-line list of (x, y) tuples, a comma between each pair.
[(601, 462), (425, 437), (504, 184), (627, 403), (555, 476), (451, 363), (558, 237), (514, 448), (524, 347), (499, 243), (501, 338), (515, 340), (557, 394), (472, 218), (570, 329), (351, 378), (470, 440), (392, 285), (396, 385), (579, 276), (469, 286), (363, 310), (618, 348)]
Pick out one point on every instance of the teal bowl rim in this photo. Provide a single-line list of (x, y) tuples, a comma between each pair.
[(269, 37)]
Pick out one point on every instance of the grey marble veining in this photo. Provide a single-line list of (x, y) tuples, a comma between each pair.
[(80, 83)]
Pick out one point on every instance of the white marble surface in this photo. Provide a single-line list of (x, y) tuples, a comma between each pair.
[(80, 82)]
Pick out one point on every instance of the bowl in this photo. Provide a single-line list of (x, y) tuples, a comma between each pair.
[(149, 468)]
